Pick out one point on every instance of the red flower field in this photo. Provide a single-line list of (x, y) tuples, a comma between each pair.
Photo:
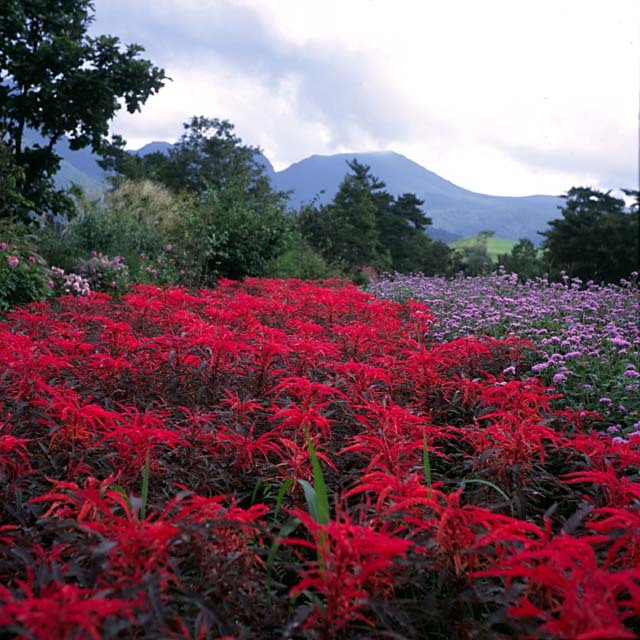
[(279, 459)]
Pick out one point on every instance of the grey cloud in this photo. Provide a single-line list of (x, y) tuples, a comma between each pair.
[(336, 87), (610, 171)]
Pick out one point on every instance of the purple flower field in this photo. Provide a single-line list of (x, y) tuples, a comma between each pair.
[(587, 335)]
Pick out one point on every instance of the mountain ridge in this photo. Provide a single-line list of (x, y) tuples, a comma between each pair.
[(456, 212)]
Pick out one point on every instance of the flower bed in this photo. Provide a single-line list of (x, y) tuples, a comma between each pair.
[(279, 459), (587, 335)]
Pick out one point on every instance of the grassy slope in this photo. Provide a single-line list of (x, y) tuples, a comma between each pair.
[(495, 246)]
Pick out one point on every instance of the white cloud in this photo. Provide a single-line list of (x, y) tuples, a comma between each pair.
[(497, 96)]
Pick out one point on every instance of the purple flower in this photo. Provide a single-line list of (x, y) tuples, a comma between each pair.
[(559, 377), (620, 342), (604, 400)]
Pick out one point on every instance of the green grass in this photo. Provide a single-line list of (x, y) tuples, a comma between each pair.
[(495, 246)]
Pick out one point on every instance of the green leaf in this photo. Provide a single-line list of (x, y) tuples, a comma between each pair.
[(144, 493), (322, 500), (426, 464), (287, 529), (283, 489), (311, 498)]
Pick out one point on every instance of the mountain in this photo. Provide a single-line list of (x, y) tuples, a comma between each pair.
[(456, 212), (157, 146), (453, 209)]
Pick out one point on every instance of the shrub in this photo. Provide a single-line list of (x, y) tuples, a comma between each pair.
[(227, 234), (109, 275), (69, 283), (161, 268), (132, 219), (24, 276), (300, 261)]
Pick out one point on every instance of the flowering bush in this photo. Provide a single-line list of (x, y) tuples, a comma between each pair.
[(285, 459), (72, 283), (23, 273), (103, 273), (162, 268)]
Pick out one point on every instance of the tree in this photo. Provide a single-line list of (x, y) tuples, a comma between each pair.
[(473, 258), (524, 260), (346, 231), (208, 157), (55, 80), (234, 224), (366, 225), (596, 238)]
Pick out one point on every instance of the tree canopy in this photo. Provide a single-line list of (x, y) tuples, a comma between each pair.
[(365, 225), (208, 157), (596, 238), (233, 223), (55, 81)]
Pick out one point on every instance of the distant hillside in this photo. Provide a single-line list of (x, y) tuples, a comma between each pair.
[(452, 208), (456, 212), (495, 246), (153, 147)]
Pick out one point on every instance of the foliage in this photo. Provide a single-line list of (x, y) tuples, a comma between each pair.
[(225, 234), (524, 260), (208, 158), (596, 239), (161, 268), (231, 222), (367, 226), (148, 447), (56, 80), (132, 219), (104, 274), (473, 258), (12, 178), (495, 246), (24, 276), (300, 261)]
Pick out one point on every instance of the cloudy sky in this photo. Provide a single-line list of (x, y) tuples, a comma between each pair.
[(499, 96)]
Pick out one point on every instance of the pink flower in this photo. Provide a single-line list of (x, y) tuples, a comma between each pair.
[(169, 247), (3, 246), (32, 259), (13, 261)]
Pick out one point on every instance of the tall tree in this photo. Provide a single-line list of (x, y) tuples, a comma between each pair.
[(208, 157), (596, 238), (235, 223), (346, 231), (367, 225), (56, 80), (524, 260)]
